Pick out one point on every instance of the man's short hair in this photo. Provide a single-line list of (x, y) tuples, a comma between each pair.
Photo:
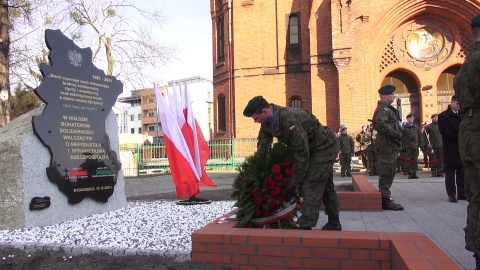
[(454, 98)]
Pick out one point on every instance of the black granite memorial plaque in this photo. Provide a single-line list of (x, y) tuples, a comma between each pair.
[(79, 96), (39, 203)]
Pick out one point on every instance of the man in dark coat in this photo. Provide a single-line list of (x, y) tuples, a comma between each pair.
[(314, 148), (449, 124), (387, 123), (467, 91)]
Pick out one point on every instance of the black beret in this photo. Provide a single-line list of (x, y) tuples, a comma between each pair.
[(252, 106), (409, 115), (434, 115), (475, 21), (386, 90)]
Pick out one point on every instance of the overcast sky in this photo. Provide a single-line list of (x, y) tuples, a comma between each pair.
[(188, 26)]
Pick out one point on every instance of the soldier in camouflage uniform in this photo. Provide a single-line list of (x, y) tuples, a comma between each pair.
[(386, 121), (363, 138), (314, 147), (347, 149), (411, 140), (467, 92), (371, 161), (435, 146)]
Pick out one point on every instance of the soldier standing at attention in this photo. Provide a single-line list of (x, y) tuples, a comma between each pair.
[(371, 160), (314, 147), (435, 146), (467, 92), (347, 149), (412, 140), (363, 139), (387, 123)]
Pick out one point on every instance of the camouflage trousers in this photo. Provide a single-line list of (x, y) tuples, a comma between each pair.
[(410, 153), (345, 161), (437, 166), (371, 161), (318, 187), (472, 188), (386, 163)]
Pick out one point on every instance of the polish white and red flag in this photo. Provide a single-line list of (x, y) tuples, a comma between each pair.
[(196, 142), (185, 172)]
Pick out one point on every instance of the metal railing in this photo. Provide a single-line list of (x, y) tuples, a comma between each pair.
[(225, 154)]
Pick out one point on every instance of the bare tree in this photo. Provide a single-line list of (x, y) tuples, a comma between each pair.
[(10, 11), (120, 35), (124, 39)]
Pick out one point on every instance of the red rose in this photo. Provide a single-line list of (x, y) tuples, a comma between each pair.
[(270, 185), (267, 179), (276, 191), (279, 184), (281, 199), (256, 191), (276, 168), (287, 182), (288, 162), (266, 197), (273, 203), (257, 200), (257, 214), (278, 176), (288, 171)]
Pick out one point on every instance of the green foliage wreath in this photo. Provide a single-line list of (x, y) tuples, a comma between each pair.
[(260, 185)]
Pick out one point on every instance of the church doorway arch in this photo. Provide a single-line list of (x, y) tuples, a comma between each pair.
[(445, 89), (406, 93)]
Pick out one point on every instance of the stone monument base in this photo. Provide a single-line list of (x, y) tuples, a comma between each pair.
[(23, 177)]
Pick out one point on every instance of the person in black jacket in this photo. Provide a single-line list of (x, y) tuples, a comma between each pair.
[(448, 124)]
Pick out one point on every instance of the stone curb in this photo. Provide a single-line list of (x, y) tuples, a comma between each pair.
[(82, 250)]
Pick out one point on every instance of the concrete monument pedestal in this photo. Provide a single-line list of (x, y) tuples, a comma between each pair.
[(23, 163)]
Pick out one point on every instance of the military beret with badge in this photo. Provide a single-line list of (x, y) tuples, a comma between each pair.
[(386, 90)]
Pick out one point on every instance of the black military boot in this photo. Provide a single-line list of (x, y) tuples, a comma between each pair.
[(333, 224), (414, 174), (410, 175), (388, 204), (434, 174)]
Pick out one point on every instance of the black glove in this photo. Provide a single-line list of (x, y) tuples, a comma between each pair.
[(290, 192)]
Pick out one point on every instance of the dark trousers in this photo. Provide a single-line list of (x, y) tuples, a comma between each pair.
[(454, 180)]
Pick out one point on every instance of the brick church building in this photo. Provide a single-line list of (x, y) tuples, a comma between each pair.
[(331, 56)]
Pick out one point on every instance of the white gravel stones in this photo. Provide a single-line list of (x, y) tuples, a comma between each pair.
[(159, 225)]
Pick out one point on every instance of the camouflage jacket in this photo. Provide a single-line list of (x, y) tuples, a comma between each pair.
[(467, 91), (412, 137), (364, 139), (386, 121), (347, 145), (310, 141), (434, 135)]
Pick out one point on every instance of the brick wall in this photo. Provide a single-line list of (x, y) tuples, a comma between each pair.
[(223, 244), (345, 55)]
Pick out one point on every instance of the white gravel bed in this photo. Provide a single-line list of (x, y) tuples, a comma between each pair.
[(158, 225)]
